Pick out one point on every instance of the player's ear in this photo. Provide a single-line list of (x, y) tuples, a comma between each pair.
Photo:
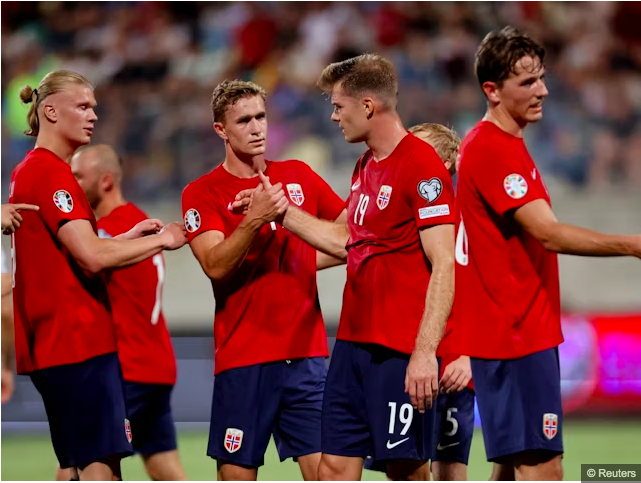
[(220, 130), (368, 106), (50, 113), (491, 90), (107, 181)]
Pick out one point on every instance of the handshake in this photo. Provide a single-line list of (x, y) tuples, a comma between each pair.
[(263, 204)]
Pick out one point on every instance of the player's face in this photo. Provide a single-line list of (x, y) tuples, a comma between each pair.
[(84, 168), (73, 113), (350, 114), (245, 126), (523, 92)]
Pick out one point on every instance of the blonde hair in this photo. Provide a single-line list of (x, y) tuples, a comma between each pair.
[(50, 84), (444, 141), (228, 93)]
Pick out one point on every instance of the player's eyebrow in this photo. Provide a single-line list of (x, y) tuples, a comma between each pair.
[(248, 117)]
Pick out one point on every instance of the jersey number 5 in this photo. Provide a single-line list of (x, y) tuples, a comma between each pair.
[(361, 208), (160, 267)]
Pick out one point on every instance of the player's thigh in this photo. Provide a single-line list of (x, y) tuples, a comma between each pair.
[(344, 420), (164, 466), (449, 471), (520, 404), (298, 425), (85, 406), (243, 413), (150, 416), (454, 427), (399, 432), (539, 465)]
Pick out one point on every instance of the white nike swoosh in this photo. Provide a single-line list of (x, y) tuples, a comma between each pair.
[(394, 445), (356, 185), (534, 174), (439, 447)]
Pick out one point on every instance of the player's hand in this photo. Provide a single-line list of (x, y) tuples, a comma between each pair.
[(421, 380), (144, 228), (174, 235), (243, 202), (457, 375), (269, 203), (11, 218), (7, 384)]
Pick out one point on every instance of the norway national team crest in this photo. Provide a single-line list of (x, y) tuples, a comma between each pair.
[(128, 430), (63, 201), (515, 186), (550, 425), (384, 195), (296, 193), (233, 439), (192, 220)]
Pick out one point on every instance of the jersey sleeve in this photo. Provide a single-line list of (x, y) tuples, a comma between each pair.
[(200, 213), (428, 189), (329, 204), (59, 197), (508, 184)]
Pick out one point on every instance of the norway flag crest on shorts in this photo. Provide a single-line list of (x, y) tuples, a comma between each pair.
[(550, 425), (233, 439), (296, 193), (128, 430), (384, 196)]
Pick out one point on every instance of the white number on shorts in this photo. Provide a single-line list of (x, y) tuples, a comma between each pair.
[(361, 208), (454, 422), (405, 416), (160, 267), (462, 246)]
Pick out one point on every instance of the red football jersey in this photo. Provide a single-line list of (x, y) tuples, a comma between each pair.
[(61, 312), (135, 293), (268, 309), (507, 302), (387, 270)]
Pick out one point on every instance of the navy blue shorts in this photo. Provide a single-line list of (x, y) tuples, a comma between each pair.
[(149, 412), (252, 403), (453, 430), (85, 405), (520, 403), (366, 411)]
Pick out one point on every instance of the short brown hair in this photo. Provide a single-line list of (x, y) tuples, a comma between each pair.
[(367, 73), (50, 84), (445, 141), (499, 52), (228, 93)]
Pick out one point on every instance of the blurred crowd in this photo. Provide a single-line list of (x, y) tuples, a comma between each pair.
[(155, 64)]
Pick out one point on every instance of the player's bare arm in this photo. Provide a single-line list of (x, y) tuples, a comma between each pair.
[(96, 254), (220, 257), (538, 219), (7, 338), (421, 381), (323, 260), (145, 227), (457, 375), (11, 217)]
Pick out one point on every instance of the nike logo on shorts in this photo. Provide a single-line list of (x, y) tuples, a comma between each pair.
[(394, 445), (439, 447)]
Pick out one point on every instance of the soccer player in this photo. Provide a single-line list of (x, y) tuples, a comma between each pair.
[(455, 403), (11, 218), (399, 246), (270, 339), (507, 308), (64, 330), (7, 332), (135, 293)]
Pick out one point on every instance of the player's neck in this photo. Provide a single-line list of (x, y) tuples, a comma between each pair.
[(504, 121), (385, 135), (243, 167), (110, 202), (57, 145)]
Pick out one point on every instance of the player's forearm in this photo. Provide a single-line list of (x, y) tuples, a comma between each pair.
[(574, 240), (326, 236), (323, 261), (224, 258), (111, 253), (438, 305)]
